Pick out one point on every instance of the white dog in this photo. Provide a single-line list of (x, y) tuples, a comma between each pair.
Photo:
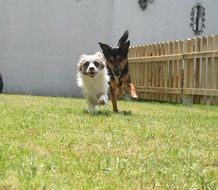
[(93, 79)]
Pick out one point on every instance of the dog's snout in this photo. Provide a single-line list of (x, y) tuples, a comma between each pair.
[(91, 68), (116, 72)]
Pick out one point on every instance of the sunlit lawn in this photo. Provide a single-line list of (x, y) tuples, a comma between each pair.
[(52, 143)]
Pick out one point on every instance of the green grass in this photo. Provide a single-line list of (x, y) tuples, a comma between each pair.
[(52, 143)]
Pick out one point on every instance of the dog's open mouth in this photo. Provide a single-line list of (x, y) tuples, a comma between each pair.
[(92, 74)]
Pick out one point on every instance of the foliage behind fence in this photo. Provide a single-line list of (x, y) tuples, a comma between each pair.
[(177, 71)]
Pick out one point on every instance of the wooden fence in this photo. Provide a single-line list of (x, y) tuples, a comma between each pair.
[(177, 71)]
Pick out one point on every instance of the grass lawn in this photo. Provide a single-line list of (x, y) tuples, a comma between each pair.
[(52, 143)]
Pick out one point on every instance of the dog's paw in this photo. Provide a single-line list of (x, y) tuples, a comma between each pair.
[(101, 102), (132, 91), (134, 97), (91, 108)]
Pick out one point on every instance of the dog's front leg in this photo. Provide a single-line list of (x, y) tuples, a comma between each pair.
[(91, 107), (129, 86), (113, 94), (132, 91), (114, 99)]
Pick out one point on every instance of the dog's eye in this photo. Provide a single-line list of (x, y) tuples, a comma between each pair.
[(97, 64), (86, 64), (111, 60)]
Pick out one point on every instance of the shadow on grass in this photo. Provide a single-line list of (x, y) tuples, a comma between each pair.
[(129, 112), (107, 113), (98, 113)]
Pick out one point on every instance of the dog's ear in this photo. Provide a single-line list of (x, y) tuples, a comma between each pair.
[(105, 48), (81, 59), (99, 55), (125, 47), (101, 58), (123, 38)]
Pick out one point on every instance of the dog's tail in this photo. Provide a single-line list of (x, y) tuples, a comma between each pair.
[(123, 38)]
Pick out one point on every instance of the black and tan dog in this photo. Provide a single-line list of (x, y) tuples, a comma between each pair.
[(117, 66)]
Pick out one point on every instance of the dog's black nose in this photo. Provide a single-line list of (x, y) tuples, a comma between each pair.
[(91, 68), (116, 72)]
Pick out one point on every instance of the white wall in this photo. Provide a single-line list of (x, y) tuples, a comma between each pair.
[(41, 40), (163, 20)]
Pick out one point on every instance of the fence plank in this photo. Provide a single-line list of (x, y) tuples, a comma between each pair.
[(180, 69), (197, 69), (209, 67), (204, 68)]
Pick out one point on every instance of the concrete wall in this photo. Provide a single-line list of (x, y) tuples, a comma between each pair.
[(41, 40), (163, 20)]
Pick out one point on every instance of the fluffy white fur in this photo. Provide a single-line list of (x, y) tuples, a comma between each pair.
[(95, 87)]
